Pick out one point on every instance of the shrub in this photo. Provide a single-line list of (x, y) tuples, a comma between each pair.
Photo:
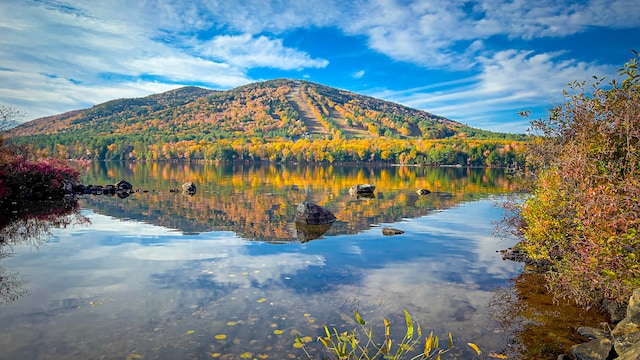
[(582, 212), (21, 178)]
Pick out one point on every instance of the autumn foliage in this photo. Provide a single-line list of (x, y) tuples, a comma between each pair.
[(582, 215), (23, 176), (278, 121)]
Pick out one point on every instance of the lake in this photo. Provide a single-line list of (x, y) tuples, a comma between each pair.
[(226, 273)]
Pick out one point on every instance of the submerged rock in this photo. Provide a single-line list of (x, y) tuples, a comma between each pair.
[(313, 214)]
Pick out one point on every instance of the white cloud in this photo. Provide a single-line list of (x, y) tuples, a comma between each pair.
[(246, 51)]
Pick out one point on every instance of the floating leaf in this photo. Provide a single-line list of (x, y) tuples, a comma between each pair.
[(274, 325), (134, 356), (297, 345), (307, 315), (278, 332), (189, 332), (475, 347), (215, 355), (311, 320), (221, 336), (246, 355), (261, 300), (497, 356), (231, 323), (263, 356), (307, 339)]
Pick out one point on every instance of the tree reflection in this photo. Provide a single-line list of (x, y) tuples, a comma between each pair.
[(539, 325), (30, 223)]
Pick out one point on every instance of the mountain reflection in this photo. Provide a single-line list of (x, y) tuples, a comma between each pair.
[(258, 201)]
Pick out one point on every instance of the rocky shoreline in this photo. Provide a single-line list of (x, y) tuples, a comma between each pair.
[(617, 339)]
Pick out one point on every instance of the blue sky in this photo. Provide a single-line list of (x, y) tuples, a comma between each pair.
[(476, 62)]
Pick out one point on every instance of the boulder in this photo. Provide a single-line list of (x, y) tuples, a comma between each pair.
[(624, 343), (597, 349), (423, 192), (189, 188), (615, 310), (391, 231), (313, 214), (631, 323), (592, 333), (361, 189), (633, 353)]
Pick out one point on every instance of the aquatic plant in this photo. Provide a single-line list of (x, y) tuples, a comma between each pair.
[(359, 343)]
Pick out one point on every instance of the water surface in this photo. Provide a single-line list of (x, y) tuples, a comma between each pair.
[(226, 273)]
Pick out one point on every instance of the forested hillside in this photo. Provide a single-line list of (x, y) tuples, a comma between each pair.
[(277, 120)]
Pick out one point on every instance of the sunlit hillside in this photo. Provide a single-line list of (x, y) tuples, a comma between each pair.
[(277, 120)]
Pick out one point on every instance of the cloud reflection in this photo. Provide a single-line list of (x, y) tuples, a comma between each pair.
[(153, 284)]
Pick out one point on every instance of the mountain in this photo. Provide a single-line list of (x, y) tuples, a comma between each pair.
[(192, 122)]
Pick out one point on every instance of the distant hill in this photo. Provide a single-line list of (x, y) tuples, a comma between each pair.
[(192, 122)]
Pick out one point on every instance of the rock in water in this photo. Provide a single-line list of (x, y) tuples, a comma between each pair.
[(189, 188), (423, 192), (391, 231), (313, 214), (361, 189), (123, 185)]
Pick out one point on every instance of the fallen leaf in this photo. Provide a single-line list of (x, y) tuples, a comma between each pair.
[(497, 356)]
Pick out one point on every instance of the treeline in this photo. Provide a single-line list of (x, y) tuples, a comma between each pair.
[(147, 147)]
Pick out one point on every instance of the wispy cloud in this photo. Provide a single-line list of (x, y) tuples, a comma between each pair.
[(506, 78), (358, 74)]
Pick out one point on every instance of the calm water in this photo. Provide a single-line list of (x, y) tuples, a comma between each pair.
[(226, 273)]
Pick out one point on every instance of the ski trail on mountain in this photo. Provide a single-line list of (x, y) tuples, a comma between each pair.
[(310, 121)]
